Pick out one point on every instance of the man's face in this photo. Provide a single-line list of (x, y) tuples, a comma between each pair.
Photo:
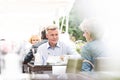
[(52, 36)]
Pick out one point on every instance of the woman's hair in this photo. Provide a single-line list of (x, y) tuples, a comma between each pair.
[(94, 27), (37, 37), (43, 34)]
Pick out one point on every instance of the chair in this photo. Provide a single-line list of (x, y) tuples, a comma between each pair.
[(74, 65)]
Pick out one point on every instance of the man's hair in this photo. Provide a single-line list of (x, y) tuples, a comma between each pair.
[(51, 27)]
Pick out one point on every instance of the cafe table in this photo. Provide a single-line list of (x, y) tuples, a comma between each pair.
[(63, 76)]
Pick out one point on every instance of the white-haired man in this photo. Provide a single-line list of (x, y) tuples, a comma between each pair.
[(54, 47)]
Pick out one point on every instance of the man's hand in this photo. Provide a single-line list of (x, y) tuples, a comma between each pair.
[(62, 58)]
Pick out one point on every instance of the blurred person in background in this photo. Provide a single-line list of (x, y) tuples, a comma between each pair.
[(95, 47), (33, 50), (26, 46), (10, 61), (34, 39)]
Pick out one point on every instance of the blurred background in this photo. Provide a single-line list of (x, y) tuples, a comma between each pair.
[(19, 19)]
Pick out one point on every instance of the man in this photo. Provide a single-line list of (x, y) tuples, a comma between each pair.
[(53, 47)]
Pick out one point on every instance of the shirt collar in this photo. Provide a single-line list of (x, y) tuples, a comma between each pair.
[(57, 45)]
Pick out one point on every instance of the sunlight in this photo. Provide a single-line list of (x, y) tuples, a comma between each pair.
[(109, 11), (19, 19)]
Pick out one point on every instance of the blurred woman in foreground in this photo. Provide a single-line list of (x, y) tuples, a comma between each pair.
[(94, 48)]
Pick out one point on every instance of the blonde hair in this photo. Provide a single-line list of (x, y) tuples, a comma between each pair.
[(37, 37)]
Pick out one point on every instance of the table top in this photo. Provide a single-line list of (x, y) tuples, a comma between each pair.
[(58, 72), (64, 76)]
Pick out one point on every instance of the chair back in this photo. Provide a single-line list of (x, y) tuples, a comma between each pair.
[(74, 65)]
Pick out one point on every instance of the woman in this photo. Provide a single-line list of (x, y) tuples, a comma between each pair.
[(33, 50), (34, 39), (94, 48)]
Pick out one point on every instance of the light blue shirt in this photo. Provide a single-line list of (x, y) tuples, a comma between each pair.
[(91, 51), (60, 49)]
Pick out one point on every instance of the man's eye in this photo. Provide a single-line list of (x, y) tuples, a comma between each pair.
[(52, 35), (56, 34)]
